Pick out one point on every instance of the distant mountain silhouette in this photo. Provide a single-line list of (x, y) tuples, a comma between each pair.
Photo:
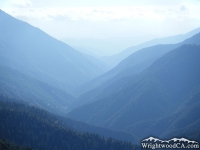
[(142, 100), (116, 59), (131, 66), (35, 53)]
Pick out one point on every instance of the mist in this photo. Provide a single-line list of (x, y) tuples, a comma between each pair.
[(99, 75)]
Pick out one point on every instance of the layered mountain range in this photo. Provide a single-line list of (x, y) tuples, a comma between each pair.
[(154, 91), (131, 66), (116, 59), (40, 69), (35, 53), (143, 104)]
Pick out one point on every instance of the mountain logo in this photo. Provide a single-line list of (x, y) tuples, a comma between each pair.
[(180, 143), (152, 139)]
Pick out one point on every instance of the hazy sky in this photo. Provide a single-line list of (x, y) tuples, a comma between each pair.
[(139, 19)]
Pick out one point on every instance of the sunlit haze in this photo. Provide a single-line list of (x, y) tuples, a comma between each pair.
[(129, 21)]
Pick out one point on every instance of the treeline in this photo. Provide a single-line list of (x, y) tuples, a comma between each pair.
[(5, 145), (35, 128), (73, 124)]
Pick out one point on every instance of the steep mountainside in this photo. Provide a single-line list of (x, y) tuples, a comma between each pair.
[(155, 93), (73, 124), (29, 126), (184, 122), (33, 52), (131, 66), (15, 84)]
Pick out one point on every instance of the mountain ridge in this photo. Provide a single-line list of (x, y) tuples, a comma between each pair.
[(116, 59), (43, 131), (157, 91), (35, 53), (16, 84), (131, 66)]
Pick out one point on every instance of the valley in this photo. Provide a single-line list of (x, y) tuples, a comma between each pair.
[(53, 96)]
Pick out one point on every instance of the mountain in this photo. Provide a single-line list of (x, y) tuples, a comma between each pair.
[(97, 62), (15, 84), (155, 93), (33, 127), (131, 66), (176, 124), (73, 124), (142, 59), (115, 59), (100, 47), (184, 122), (35, 53)]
